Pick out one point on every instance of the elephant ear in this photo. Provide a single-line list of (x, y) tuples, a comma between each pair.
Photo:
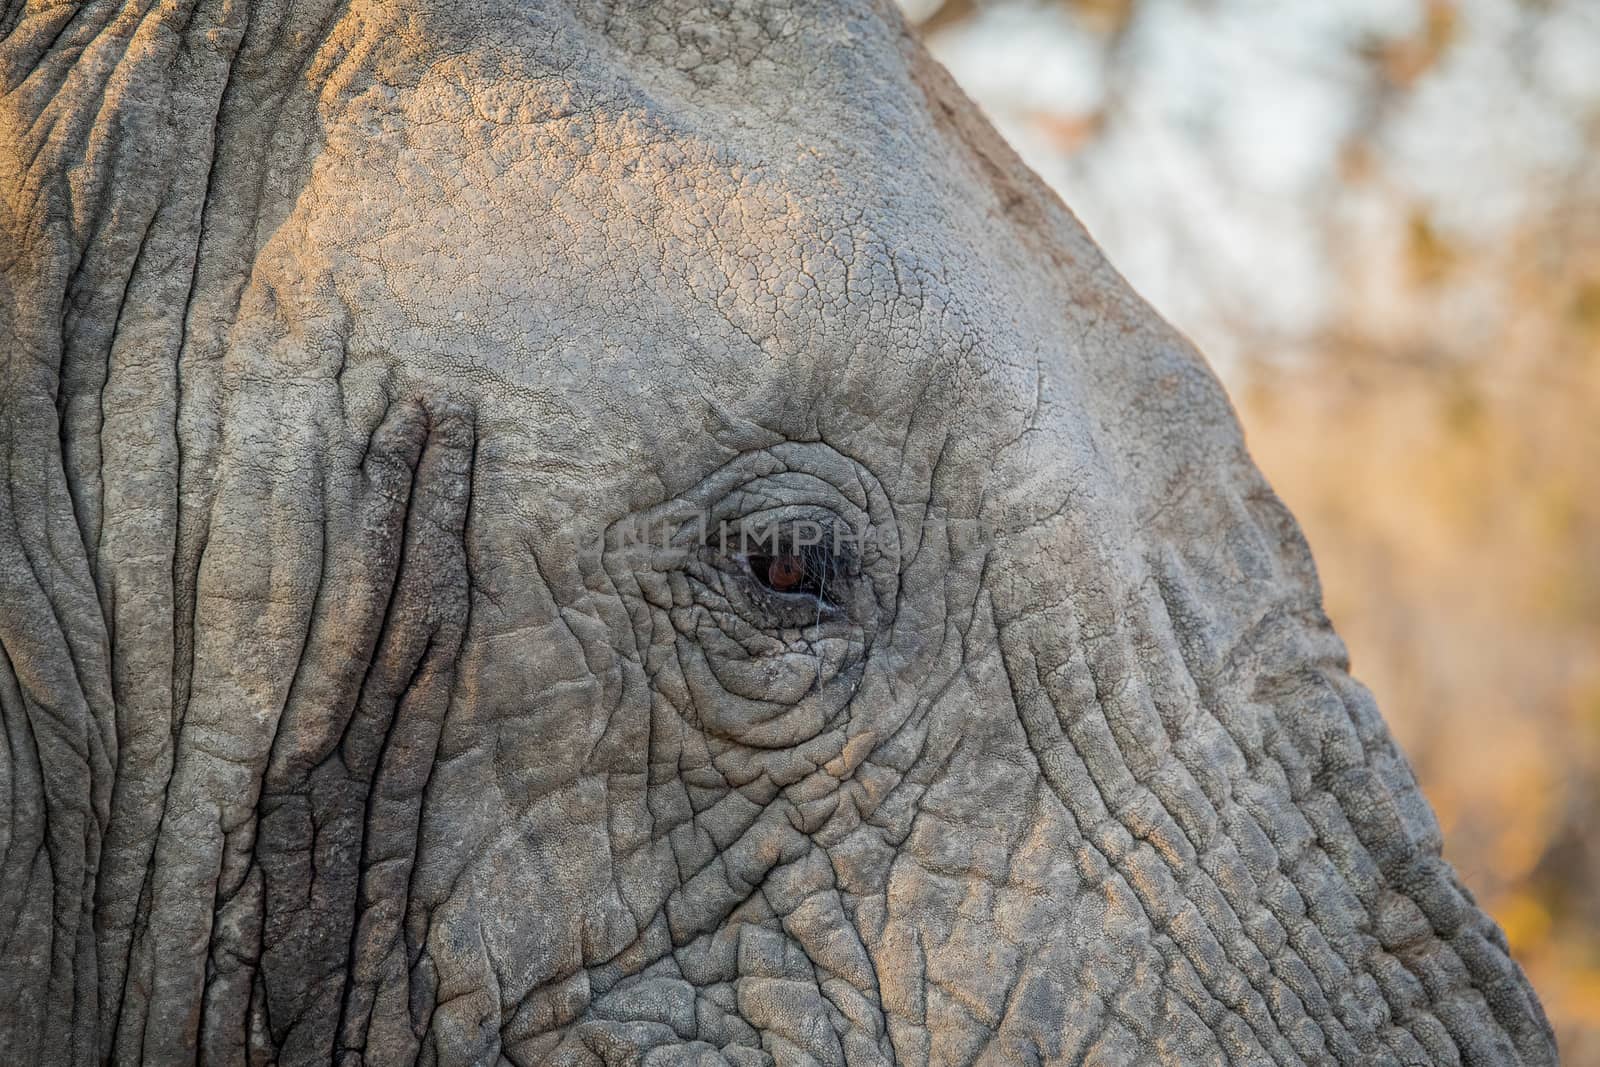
[(83, 170), (126, 225), (1189, 704)]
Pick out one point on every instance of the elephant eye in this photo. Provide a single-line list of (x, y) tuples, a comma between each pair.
[(805, 571)]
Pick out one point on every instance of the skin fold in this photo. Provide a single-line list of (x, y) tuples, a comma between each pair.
[(345, 348)]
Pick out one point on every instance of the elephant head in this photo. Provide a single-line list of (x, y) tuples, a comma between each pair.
[(640, 533)]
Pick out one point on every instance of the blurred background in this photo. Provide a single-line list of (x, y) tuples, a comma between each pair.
[(1381, 221)]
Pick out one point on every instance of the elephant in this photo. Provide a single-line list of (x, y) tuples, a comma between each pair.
[(603, 532)]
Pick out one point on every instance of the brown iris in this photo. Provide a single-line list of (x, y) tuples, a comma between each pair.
[(785, 572), (797, 570)]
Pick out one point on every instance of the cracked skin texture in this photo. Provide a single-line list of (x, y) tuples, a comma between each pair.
[(341, 339)]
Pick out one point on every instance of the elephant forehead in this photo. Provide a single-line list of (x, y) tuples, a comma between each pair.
[(536, 228), (606, 253)]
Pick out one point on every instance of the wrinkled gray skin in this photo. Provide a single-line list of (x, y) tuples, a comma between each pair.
[(340, 341)]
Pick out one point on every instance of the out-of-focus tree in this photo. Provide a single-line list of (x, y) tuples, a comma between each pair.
[(1381, 219)]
